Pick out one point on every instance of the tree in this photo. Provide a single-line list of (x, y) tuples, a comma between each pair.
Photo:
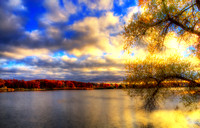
[(150, 27), (2, 82), (153, 72), (70, 84), (59, 84), (141, 2), (154, 69)]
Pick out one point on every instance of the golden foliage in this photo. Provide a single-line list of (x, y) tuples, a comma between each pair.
[(150, 27)]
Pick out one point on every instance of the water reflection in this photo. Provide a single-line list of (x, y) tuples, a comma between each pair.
[(95, 109), (167, 107), (73, 109)]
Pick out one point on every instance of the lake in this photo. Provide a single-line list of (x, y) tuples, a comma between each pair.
[(90, 109)]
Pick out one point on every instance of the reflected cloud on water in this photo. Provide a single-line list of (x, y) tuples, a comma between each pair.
[(99, 109), (166, 107)]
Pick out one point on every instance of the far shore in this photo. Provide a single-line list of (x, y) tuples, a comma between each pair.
[(48, 89), (180, 90)]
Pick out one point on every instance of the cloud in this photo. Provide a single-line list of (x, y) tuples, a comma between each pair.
[(34, 35), (98, 5), (16, 4), (93, 35), (20, 53), (70, 7), (64, 67), (56, 13), (108, 20), (130, 12), (169, 118), (91, 44), (53, 32), (11, 25), (68, 59), (175, 119), (120, 2), (90, 50)]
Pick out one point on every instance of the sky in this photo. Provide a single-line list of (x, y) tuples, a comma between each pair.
[(63, 39)]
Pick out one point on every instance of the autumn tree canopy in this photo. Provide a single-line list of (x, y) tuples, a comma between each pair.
[(156, 18), (154, 69), (151, 73), (150, 28)]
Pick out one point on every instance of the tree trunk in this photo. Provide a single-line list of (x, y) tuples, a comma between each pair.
[(198, 4)]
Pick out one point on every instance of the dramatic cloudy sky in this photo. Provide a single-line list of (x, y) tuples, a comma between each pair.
[(63, 39)]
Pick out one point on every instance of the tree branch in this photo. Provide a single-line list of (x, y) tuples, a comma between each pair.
[(193, 82), (154, 23), (184, 27), (184, 9)]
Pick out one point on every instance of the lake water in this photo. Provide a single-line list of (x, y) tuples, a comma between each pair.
[(88, 109)]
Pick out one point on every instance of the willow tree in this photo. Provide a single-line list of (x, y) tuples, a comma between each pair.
[(153, 69), (149, 29), (156, 18), (152, 72)]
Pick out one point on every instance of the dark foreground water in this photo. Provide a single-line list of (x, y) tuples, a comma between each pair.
[(87, 109)]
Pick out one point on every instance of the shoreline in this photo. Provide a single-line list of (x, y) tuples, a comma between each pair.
[(49, 89), (81, 88)]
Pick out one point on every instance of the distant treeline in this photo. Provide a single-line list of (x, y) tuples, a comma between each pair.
[(50, 84)]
